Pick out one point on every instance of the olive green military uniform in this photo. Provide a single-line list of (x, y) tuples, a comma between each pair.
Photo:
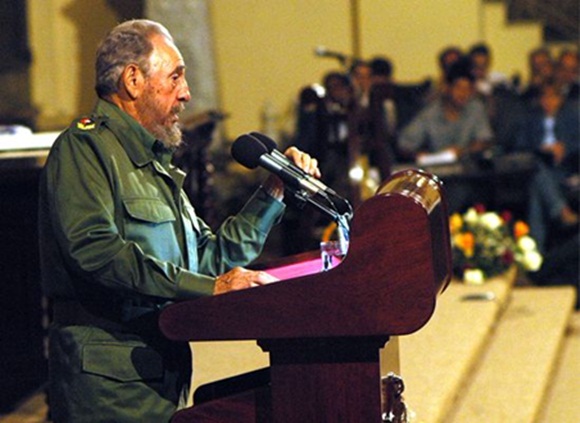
[(119, 240)]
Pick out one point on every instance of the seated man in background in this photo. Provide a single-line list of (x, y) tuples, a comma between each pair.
[(567, 74), (456, 121), (446, 57), (542, 69), (552, 132), (455, 124), (486, 80), (323, 127), (360, 75)]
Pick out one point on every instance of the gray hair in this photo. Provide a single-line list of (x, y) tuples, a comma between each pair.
[(129, 42)]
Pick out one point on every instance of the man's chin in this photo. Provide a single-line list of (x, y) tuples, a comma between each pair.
[(174, 141), (171, 137)]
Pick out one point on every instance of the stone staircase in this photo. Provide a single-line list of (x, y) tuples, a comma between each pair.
[(495, 353)]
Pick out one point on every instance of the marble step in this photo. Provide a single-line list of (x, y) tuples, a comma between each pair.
[(562, 403), (436, 360), (514, 372)]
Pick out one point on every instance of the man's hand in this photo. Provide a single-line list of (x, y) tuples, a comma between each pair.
[(240, 278), (275, 187), (303, 161), (557, 150)]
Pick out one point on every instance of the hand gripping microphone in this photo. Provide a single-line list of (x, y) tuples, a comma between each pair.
[(340, 203), (251, 153)]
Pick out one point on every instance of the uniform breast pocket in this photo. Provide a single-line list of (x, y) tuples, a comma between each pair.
[(150, 223)]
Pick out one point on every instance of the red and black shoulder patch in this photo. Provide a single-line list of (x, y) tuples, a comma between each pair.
[(86, 124)]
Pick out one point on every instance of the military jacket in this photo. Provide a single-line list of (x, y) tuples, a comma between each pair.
[(119, 236), (113, 214)]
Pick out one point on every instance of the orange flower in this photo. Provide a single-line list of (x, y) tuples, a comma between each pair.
[(466, 241), (455, 223), (521, 229)]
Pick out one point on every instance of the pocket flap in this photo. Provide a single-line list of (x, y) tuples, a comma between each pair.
[(124, 363), (149, 209)]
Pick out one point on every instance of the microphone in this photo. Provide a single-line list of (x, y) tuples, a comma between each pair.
[(339, 203), (322, 51), (272, 147), (259, 150), (251, 153)]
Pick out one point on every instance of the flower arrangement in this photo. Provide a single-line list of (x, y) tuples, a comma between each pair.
[(485, 244)]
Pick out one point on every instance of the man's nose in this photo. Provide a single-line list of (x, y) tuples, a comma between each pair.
[(183, 93)]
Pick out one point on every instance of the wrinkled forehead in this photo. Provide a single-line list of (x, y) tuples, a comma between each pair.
[(165, 53)]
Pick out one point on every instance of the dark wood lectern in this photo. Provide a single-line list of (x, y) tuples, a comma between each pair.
[(324, 331)]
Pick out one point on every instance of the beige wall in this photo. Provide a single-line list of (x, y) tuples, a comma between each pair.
[(264, 53), (264, 48), (412, 32)]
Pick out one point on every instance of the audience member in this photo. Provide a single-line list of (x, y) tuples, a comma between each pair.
[(502, 103), (445, 59), (455, 123), (323, 127), (360, 76), (378, 141), (324, 130), (567, 74), (365, 139), (551, 131), (541, 68), (486, 80), (381, 70)]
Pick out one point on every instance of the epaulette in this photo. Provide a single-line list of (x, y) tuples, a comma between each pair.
[(88, 123)]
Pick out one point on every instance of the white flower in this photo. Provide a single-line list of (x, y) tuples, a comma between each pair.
[(526, 243), (473, 276), (471, 216), (491, 220), (532, 260)]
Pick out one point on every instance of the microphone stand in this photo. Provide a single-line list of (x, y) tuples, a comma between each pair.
[(340, 215)]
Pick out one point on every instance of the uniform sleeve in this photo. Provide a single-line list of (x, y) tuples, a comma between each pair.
[(240, 239)]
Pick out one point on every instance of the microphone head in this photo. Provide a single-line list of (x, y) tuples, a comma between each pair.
[(320, 51), (268, 142), (247, 151)]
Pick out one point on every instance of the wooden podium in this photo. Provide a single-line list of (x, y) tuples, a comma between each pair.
[(323, 331)]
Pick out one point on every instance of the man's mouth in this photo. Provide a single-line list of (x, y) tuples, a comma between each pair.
[(175, 112)]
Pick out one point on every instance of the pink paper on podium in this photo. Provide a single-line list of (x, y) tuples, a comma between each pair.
[(295, 270)]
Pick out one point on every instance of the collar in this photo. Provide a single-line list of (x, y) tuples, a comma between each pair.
[(139, 144)]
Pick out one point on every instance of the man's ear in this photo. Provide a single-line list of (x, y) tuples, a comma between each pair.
[(133, 80)]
